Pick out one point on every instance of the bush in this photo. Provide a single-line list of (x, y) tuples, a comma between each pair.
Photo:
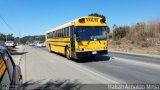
[(118, 42), (141, 34), (120, 32), (145, 44)]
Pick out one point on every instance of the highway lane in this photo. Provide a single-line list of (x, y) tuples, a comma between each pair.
[(41, 66), (124, 68)]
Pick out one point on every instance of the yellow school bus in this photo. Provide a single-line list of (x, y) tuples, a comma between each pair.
[(83, 37)]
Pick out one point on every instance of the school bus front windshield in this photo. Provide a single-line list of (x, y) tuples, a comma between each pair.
[(91, 33)]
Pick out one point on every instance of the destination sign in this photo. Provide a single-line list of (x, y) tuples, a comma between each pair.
[(91, 19)]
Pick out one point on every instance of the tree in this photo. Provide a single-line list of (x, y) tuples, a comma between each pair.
[(100, 15), (17, 40), (2, 37), (120, 32), (97, 14), (115, 26), (32, 38), (8, 37)]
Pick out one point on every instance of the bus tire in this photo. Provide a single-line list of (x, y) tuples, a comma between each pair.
[(67, 53), (93, 57)]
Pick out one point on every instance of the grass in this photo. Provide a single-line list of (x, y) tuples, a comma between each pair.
[(140, 36)]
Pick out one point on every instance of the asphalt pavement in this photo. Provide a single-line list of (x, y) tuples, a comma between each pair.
[(124, 67), (40, 66)]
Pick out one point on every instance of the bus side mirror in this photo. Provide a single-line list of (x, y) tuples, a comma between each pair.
[(75, 32), (77, 36), (77, 39)]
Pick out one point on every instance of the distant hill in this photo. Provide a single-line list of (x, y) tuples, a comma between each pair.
[(32, 38)]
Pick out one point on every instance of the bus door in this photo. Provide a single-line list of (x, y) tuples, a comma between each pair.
[(72, 41)]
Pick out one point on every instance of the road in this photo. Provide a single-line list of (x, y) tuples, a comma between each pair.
[(124, 68), (38, 65)]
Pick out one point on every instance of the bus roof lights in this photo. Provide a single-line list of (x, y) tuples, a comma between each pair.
[(102, 20), (82, 20)]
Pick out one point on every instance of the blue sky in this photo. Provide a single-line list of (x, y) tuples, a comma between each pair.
[(34, 17)]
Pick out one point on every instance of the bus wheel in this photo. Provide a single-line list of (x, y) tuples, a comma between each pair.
[(67, 52), (93, 57)]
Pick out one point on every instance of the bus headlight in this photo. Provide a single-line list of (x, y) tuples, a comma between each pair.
[(105, 47), (81, 49)]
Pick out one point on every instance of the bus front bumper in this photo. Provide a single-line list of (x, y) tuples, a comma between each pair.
[(90, 53)]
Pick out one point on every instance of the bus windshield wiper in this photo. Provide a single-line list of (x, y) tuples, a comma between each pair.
[(89, 41)]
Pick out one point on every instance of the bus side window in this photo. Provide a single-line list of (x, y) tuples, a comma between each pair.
[(51, 34), (67, 34), (69, 31), (60, 32), (64, 32), (47, 35), (55, 33)]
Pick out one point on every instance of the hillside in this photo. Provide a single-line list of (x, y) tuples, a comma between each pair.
[(141, 37)]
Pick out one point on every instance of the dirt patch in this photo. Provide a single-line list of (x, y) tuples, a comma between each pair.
[(129, 46)]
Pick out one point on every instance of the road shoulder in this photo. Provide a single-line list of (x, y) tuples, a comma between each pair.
[(17, 54)]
